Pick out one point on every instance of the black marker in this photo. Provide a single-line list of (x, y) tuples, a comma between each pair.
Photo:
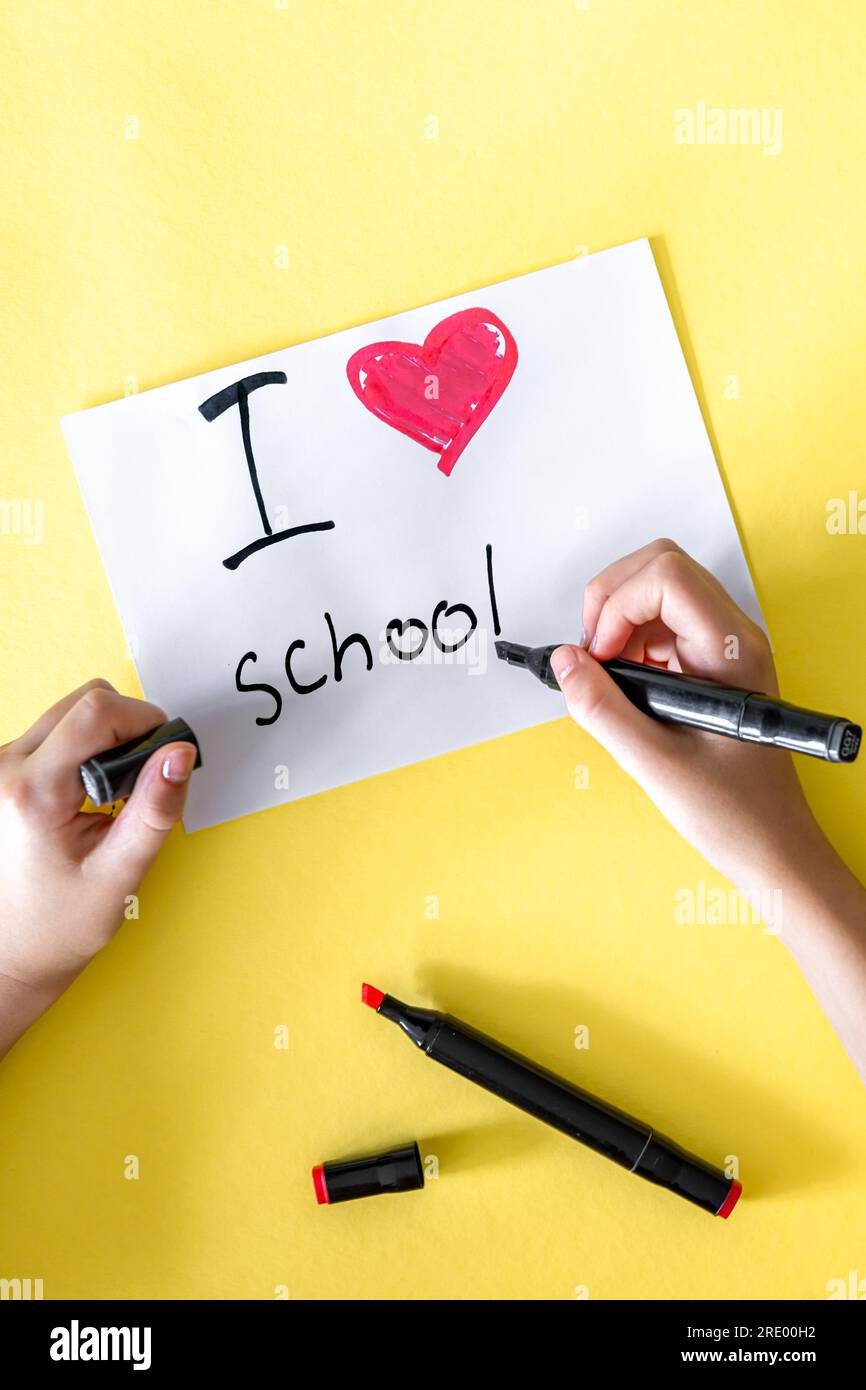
[(704, 704), (581, 1116), (110, 776)]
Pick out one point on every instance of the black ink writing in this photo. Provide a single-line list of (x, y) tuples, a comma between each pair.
[(298, 687), (400, 625), (497, 630), (340, 651), (267, 689), (448, 641), (442, 608), (239, 394)]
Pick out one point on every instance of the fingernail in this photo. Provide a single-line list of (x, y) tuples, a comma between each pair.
[(179, 764), (584, 637), (594, 643), (562, 661)]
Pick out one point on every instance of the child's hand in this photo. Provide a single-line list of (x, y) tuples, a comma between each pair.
[(739, 804), (65, 874)]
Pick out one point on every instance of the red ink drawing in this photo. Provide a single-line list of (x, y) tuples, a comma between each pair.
[(439, 392)]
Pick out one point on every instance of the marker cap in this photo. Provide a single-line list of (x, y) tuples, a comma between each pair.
[(399, 1170), (110, 776)]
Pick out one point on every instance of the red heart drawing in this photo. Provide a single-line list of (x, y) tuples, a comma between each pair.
[(441, 392)]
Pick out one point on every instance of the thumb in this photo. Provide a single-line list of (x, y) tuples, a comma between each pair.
[(155, 805), (598, 705)]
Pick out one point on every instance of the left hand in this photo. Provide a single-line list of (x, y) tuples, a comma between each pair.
[(65, 874)]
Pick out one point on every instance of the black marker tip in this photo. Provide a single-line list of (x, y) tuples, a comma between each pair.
[(512, 653), (535, 660)]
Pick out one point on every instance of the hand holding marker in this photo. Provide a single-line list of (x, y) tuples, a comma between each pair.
[(66, 873)]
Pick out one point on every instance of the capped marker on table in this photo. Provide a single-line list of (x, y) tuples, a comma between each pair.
[(733, 712)]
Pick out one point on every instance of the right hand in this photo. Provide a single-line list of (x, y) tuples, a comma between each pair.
[(740, 805)]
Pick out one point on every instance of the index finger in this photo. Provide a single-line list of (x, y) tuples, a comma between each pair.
[(674, 589), (30, 740), (603, 584)]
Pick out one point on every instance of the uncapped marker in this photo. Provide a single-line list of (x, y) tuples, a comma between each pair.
[(743, 714), (627, 1141)]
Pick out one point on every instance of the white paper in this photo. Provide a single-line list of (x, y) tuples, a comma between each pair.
[(595, 447)]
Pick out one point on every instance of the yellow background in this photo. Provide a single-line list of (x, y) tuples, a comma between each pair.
[(153, 258)]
